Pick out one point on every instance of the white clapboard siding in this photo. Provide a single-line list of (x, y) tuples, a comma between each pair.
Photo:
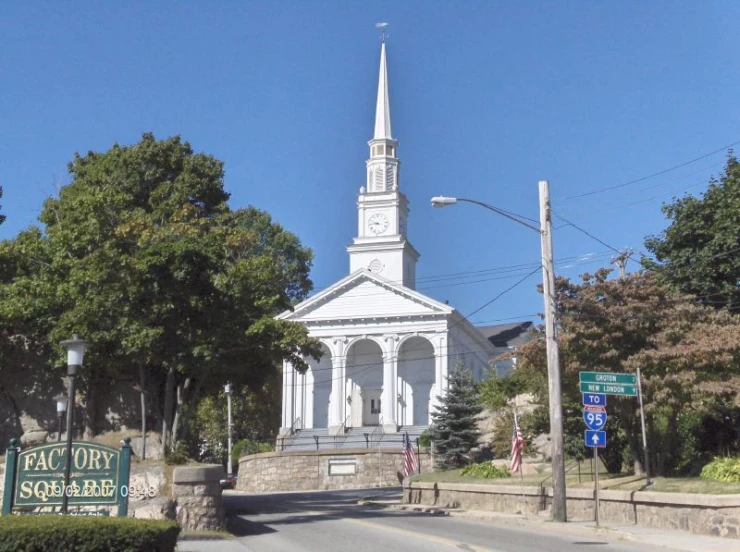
[(367, 299)]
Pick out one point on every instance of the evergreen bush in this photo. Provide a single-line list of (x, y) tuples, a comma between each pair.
[(454, 429), (86, 534)]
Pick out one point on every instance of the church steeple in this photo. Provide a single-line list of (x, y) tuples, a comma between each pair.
[(381, 245), (383, 165), (382, 107)]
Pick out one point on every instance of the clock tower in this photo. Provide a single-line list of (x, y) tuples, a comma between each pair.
[(381, 245)]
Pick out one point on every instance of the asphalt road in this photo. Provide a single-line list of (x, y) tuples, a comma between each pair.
[(333, 521)]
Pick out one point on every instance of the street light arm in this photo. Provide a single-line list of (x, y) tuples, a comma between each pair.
[(442, 201)]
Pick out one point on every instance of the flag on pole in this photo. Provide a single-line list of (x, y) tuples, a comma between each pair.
[(409, 458), (517, 447)]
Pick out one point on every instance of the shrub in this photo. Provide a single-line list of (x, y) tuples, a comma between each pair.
[(178, 455), (425, 439), (722, 469), (485, 470), (86, 534)]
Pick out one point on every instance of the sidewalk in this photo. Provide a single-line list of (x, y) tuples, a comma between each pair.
[(674, 540)]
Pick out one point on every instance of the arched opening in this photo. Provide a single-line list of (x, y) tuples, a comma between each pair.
[(364, 371), (415, 381)]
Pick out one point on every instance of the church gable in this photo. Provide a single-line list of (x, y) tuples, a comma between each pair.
[(365, 297)]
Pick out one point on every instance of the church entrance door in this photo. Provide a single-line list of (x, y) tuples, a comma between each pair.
[(371, 407)]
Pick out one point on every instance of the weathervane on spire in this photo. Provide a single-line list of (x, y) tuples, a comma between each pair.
[(382, 25)]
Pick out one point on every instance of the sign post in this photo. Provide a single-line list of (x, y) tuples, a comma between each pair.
[(595, 386)]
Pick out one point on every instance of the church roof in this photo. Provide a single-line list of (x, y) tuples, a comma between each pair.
[(363, 295), (507, 336)]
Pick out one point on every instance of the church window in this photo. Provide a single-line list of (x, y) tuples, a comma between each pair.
[(390, 151)]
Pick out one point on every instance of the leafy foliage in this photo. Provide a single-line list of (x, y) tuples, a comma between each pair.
[(722, 469), (454, 429), (689, 356), (485, 470), (86, 534), (255, 415), (141, 255), (699, 252)]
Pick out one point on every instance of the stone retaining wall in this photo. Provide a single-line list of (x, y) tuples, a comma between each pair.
[(198, 494), (323, 470), (717, 515)]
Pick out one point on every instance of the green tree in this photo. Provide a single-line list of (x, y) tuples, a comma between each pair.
[(142, 255), (454, 430), (699, 252)]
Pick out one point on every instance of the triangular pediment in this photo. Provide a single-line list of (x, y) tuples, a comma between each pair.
[(363, 295)]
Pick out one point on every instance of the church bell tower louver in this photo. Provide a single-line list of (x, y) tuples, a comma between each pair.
[(381, 245)]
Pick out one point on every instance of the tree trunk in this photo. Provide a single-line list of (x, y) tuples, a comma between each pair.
[(181, 388), (142, 393), (169, 397), (669, 443)]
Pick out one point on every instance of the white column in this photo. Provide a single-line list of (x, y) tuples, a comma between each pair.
[(287, 410), (337, 413), (389, 398), (440, 368)]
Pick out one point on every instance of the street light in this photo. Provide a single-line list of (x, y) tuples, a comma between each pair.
[(75, 353), (61, 401), (553, 362), (229, 464)]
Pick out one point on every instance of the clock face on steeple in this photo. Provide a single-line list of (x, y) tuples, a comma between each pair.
[(378, 223)]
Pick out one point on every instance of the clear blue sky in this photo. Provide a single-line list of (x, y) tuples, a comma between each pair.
[(487, 98)]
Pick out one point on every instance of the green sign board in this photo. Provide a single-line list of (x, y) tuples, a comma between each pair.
[(606, 377), (609, 388), (99, 476)]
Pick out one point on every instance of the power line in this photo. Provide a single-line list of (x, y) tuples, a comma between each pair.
[(653, 175)]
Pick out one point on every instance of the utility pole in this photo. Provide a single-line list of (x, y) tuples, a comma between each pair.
[(559, 510), (621, 261)]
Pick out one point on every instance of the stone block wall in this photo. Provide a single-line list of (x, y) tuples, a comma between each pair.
[(198, 494), (717, 515), (323, 470)]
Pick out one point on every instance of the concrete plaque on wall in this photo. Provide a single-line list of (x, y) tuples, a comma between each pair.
[(342, 466)]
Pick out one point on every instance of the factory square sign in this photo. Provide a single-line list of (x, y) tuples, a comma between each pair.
[(99, 476)]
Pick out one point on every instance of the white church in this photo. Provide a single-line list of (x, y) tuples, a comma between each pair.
[(387, 348)]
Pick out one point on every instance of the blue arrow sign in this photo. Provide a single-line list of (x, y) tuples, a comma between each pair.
[(595, 439), (594, 420), (594, 399)]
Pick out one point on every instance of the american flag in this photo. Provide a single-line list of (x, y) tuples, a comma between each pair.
[(517, 447), (409, 458)]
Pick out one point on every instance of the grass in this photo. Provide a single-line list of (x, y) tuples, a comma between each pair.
[(683, 485), (572, 478), (617, 482)]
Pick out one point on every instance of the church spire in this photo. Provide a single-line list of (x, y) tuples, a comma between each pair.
[(382, 108)]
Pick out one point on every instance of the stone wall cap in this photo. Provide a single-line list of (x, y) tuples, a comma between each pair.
[(198, 474)]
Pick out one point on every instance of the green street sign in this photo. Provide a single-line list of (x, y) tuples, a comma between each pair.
[(606, 377), (609, 388)]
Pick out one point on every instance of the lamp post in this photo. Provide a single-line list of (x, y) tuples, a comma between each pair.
[(229, 463), (553, 362), (61, 401), (75, 353)]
